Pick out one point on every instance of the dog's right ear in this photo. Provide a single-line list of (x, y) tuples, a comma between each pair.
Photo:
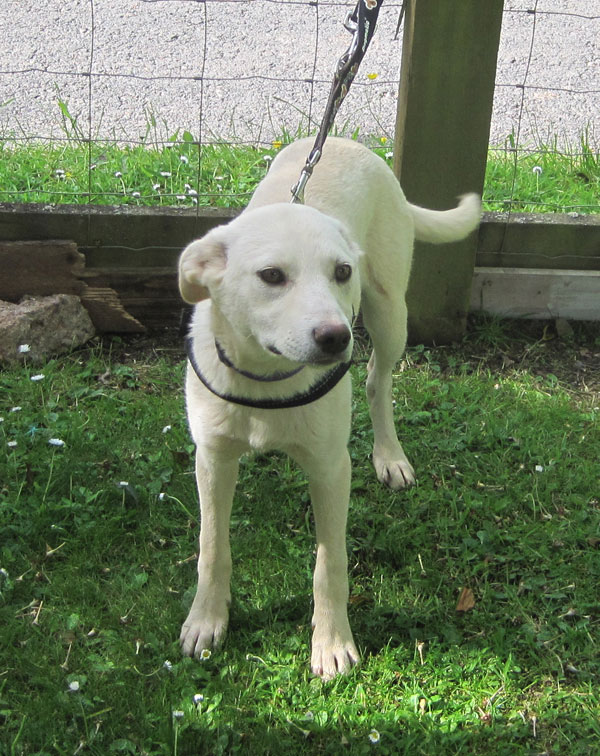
[(201, 266)]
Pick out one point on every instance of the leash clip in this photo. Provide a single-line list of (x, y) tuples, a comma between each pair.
[(351, 22), (298, 188)]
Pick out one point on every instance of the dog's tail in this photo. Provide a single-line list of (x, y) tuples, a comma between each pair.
[(438, 226)]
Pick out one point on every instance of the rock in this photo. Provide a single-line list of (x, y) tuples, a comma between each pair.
[(47, 325), (564, 330)]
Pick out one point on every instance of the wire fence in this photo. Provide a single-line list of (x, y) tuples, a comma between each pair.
[(150, 101)]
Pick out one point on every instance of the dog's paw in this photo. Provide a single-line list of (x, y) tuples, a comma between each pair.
[(332, 654), (198, 637), (394, 470), (205, 626)]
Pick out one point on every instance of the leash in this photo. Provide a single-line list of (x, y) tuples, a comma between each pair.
[(361, 23)]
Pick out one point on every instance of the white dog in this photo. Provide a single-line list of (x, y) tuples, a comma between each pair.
[(269, 349)]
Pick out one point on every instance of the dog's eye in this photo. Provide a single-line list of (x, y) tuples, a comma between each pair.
[(343, 271), (272, 276)]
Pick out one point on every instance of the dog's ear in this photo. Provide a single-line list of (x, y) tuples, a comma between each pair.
[(201, 265)]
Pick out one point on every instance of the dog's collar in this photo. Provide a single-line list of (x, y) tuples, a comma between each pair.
[(253, 376), (314, 392)]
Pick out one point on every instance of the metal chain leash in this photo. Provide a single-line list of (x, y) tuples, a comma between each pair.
[(361, 24)]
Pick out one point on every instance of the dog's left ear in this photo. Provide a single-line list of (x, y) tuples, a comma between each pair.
[(201, 266)]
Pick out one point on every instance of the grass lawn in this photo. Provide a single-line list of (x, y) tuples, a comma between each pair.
[(98, 539), (183, 173)]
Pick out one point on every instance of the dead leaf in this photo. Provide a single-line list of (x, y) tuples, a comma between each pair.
[(466, 600)]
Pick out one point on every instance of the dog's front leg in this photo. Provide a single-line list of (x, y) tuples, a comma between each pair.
[(333, 649), (206, 623)]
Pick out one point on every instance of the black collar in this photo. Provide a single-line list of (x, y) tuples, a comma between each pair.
[(321, 387), (253, 376)]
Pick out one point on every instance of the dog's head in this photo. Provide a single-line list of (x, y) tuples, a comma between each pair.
[(285, 276)]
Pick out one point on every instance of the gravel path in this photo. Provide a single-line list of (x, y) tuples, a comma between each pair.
[(239, 70)]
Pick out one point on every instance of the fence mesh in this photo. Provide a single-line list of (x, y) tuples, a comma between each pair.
[(144, 101)]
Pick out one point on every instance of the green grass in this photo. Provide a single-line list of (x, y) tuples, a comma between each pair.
[(181, 172), (545, 179), (97, 567)]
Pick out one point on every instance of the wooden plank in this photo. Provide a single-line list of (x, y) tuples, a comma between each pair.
[(550, 240), (130, 254), (108, 313), (532, 293), (145, 278), (444, 109), (40, 268), (111, 230)]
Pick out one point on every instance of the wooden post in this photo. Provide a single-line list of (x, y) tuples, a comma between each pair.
[(442, 130)]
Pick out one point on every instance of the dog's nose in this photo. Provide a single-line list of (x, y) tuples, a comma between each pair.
[(332, 338)]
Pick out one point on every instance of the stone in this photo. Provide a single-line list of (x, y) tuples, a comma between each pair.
[(41, 327), (564, 330)]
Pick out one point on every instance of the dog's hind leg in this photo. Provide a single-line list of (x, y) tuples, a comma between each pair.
[(384, 317), (206, 623)]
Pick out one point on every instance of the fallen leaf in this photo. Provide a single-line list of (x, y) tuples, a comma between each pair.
[(466, 600)]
